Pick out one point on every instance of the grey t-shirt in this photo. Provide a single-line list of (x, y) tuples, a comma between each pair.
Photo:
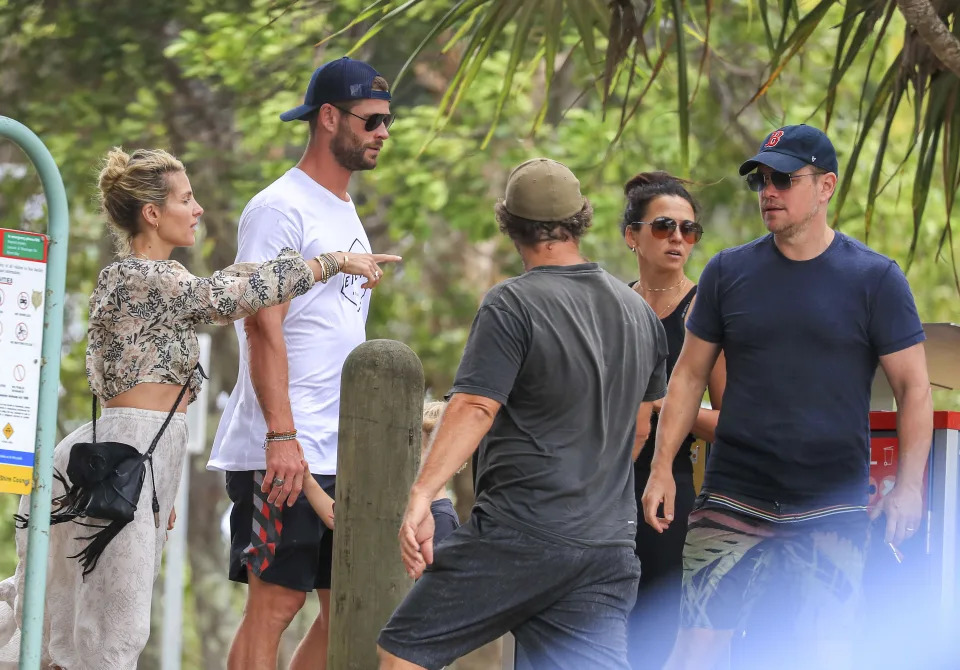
[(569, 352)]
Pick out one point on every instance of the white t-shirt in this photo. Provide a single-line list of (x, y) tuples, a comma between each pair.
[(321, 328)]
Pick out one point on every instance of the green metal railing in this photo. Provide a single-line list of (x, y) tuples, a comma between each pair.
[(38, 539)]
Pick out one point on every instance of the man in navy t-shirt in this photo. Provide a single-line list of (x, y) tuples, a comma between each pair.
[(803, 315)]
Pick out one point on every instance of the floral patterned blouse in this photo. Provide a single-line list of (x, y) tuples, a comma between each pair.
[(143, 315)]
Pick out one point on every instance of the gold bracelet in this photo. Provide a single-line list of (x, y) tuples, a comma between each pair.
[(336, 264), (326, 268), (333, 267), (323, 269), (329, 266)]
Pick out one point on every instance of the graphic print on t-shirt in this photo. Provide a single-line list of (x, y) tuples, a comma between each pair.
[(350, 289)]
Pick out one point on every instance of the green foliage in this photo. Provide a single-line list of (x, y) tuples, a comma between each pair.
[(788, 31)]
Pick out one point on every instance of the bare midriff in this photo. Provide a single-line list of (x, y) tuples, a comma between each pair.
[(151, 396)]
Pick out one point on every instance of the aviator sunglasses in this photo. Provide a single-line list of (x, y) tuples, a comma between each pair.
[(780, 180), (662, 227), (373, 121)]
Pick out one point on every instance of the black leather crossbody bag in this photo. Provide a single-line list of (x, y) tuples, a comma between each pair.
[(106, 479)]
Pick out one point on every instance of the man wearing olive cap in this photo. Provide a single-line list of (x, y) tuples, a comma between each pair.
[(554, 371)]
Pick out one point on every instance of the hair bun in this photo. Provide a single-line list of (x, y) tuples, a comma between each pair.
[(648, 179), (114, 167), (645, 187)]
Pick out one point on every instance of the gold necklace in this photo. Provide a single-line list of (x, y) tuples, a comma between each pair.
[(660, 315), (672, 303), (141, 255), (659, 290)]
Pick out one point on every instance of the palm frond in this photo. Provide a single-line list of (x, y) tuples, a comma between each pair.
[(535, 31), (850, 40), (789, 47), (705, 52), (520, 39), (683, 96), (877, 100)]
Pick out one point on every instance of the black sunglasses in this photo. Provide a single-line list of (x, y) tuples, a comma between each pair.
[(662, 227), (373, 121), (780, 180)]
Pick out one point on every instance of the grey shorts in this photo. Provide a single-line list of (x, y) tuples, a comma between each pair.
[(566, 605)]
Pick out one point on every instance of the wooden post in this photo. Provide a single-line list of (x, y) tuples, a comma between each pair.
[(381, 408)]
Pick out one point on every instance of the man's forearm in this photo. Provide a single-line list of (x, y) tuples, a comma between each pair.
[(464, 423), (915, 433), (642, 431), (677, 417), (705, 425), (269, 374)]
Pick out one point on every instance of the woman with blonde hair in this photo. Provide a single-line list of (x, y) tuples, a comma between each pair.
[(141, 364)]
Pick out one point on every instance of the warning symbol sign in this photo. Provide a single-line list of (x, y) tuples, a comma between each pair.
[(7, 431)]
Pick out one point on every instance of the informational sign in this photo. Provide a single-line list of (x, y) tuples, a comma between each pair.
[(23, 273)]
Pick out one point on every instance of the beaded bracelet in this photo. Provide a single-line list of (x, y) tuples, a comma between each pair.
[(274, 436)]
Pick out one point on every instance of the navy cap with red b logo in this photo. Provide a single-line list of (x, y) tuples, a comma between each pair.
[(792, 147)]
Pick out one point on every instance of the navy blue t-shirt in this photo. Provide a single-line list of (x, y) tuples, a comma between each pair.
[(802, 341)]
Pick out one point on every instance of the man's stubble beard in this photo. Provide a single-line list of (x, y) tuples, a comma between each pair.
[(791, 229), (349, 151)]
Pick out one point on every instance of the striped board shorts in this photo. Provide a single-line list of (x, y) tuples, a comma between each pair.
[(805, 569)]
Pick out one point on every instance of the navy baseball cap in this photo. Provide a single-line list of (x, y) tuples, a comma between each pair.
[(337, 81), (791, 147)]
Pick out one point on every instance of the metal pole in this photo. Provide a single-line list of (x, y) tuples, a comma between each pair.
[(176, 558), (171, 643), (38, 538)]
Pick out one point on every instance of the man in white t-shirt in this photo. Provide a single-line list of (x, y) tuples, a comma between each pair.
[(285, 406)]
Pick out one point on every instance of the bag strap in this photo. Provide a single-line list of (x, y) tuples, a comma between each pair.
[(173, 410), (94, 418)]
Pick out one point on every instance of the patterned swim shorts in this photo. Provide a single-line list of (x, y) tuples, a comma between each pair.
[(808, 575)]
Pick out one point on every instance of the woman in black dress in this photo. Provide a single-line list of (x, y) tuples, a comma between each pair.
[(660, 226)]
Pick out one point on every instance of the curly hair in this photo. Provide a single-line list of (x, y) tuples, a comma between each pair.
[(432, 411), (646, 187), (527, 232)]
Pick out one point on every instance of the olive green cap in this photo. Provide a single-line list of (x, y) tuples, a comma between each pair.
[(542, 189)]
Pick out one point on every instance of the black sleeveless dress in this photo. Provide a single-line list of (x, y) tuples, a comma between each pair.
[(653, 624)]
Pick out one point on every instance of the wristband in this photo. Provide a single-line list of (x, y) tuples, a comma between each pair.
[(278, 436)]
